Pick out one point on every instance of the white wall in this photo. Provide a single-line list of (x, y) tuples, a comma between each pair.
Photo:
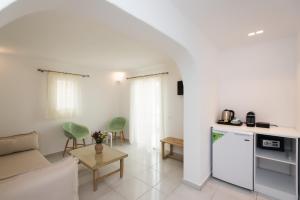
[(260, 78), (173, 103), (298, 81), (23, 101), (195, 57)]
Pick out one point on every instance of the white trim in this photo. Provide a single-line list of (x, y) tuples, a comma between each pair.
[(195, 185)]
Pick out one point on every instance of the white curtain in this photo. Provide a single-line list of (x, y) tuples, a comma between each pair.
[(63, 95), (146, 112)]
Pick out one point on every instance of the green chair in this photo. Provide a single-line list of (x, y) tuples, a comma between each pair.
[(117, 125), (74, 132)]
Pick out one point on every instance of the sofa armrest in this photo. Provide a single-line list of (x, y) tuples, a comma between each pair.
[(17, 143), (57, 181)]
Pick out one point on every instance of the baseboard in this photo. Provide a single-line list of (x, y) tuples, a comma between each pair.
[(196, 186)]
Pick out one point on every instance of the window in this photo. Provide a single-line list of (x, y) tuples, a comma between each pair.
[(63, 95)]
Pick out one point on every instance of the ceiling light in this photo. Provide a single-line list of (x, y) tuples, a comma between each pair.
[(255, 33), (4, 50), (5, 3), (119, 76), (259, 32)]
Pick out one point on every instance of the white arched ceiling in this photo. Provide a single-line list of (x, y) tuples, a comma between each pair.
[(77, 40), (159, 24)]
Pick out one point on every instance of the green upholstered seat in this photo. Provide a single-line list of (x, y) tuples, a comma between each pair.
[(75, 131), (117, 124)]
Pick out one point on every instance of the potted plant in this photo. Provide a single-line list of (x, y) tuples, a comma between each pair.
[(99, 137)]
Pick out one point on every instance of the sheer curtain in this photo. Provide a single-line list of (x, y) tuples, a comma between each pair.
[(63, 95), (146, 112)]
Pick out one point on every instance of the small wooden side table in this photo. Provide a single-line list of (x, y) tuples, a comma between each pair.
[(88, 157), (172, 142)]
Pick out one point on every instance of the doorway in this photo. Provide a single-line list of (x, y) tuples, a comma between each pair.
[(146, 112)]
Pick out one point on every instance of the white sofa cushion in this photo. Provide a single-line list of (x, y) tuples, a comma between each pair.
[(22, 162), (17, 143), (58, 181)]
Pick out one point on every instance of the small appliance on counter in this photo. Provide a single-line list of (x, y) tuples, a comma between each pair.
[(250, 119), (228, 118), (236, 122), (263, 124), (227, 115)]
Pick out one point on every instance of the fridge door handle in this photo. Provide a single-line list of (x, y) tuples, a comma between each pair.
[(243, 134)]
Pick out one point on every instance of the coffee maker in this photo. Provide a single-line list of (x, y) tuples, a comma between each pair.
[(250, 119)]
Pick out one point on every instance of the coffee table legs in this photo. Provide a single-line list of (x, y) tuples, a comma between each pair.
[(121, 167), (171, 149), (96, 177), (163, 150), (95, 180)]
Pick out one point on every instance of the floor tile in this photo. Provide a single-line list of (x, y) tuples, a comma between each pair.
[(167, 166), (231, 192), (115, 180), (185, 192), (86, 191), (131, 188), (151, 177), (112, 196), (167, 185), (153, 194), (263, 197)]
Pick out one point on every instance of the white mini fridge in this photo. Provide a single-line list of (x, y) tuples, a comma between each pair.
[(232, 157)]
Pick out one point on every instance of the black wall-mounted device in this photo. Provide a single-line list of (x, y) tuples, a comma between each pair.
[(180, 90)]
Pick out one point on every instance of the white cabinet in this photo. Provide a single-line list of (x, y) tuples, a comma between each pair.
[(232, 157), (275, 173)]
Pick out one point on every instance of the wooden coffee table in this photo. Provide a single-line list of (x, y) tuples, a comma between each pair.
[(88, 157)]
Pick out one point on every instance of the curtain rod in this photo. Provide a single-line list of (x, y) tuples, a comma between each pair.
[(147, 75), (82, 75)]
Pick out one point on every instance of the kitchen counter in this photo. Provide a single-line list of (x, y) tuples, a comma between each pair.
[(275, 131)]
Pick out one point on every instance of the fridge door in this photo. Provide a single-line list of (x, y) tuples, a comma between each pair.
[(232, 158)]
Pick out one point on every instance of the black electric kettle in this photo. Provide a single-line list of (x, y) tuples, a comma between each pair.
[(227, 115)]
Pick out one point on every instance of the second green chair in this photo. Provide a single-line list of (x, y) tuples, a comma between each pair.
[(117, 125)]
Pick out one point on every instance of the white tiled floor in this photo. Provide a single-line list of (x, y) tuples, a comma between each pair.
[(147, 177)]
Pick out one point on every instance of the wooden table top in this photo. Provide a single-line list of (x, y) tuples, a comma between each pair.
[(175, 141), (87, 155)]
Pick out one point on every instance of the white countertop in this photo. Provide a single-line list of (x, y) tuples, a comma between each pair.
[(275, 131)]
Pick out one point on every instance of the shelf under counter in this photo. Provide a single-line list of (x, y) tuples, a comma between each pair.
[(275, 183), (287, 157)]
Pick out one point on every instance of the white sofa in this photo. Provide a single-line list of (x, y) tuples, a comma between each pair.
[(26, 174)]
